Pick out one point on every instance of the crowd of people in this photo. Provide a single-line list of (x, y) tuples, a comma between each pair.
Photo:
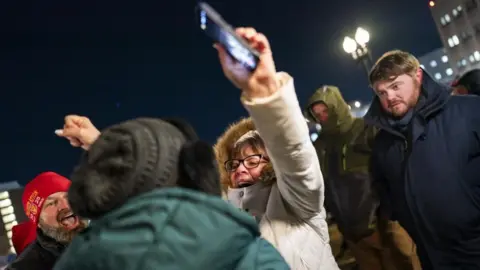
[(400, 183)]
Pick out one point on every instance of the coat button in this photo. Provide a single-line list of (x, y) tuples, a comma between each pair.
[(241, 193)]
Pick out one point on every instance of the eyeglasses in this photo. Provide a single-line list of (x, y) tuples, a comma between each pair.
[(249, 162)]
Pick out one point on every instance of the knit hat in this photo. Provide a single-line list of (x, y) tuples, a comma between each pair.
[(37, 190), (23, 235), (137, 156)]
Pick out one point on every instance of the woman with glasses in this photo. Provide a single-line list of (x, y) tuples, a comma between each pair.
[(268, 165)]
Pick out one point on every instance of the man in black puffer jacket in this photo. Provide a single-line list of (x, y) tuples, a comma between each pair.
[(425, 161)]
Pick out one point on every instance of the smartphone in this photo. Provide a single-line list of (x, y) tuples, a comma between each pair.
[(221, 32), (314, 129)]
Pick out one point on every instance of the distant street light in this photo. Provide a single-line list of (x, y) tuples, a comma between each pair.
[(358, 49), (357, 109)]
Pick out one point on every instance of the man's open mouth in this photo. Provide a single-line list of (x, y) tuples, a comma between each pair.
[(69, 220)]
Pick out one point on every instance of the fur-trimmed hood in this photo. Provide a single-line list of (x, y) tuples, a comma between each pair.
[(224, 146)]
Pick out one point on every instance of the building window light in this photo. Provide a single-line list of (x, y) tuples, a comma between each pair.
[(476, 55), (449, 72), (9, 218), (7, 210), (455, 39), (444, 59), (438, 76)]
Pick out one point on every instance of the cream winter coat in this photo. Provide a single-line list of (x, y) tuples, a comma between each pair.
[(293, 219)]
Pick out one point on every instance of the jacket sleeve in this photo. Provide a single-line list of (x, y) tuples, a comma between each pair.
[(280, 123), (364, 142), (30, 258), (379, 188)]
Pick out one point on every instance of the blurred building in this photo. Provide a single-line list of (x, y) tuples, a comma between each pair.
[(437, 64), (458, 23), (11, 210)]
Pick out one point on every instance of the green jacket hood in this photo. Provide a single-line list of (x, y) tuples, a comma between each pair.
[(339, 117), (172, 229)]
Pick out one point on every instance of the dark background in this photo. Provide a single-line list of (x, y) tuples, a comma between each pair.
[(116, 60)]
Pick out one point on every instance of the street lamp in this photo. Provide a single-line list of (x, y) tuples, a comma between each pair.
[(354, 105), (357, 47), (357, 108)]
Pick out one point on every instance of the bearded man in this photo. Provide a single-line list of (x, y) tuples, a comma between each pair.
[(46, 205), (425, 161)]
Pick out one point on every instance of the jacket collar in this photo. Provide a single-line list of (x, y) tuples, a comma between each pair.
[(50, 244), (253, 199), (433, 98)]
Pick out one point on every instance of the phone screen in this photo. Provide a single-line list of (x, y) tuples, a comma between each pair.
[(314, 129), (215, 27)]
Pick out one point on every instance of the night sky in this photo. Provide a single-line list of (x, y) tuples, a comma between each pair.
[(117, 60)]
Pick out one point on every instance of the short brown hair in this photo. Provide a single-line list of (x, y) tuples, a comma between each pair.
[(393, 64), (253, 140)]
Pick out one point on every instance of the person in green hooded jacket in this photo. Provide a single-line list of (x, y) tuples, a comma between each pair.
[(344, 147), (152, 192)]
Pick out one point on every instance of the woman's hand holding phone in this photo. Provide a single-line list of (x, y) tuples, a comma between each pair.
[(263, 81)]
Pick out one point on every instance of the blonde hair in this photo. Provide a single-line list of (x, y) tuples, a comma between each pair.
[(393, 64)]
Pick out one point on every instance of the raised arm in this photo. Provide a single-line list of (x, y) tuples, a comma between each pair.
[(283, 128), (271, 101)]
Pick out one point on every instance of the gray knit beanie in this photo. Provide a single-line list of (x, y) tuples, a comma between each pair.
[(137, 156)]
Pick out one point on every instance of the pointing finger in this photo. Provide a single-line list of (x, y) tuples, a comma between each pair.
[(59, 132)]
